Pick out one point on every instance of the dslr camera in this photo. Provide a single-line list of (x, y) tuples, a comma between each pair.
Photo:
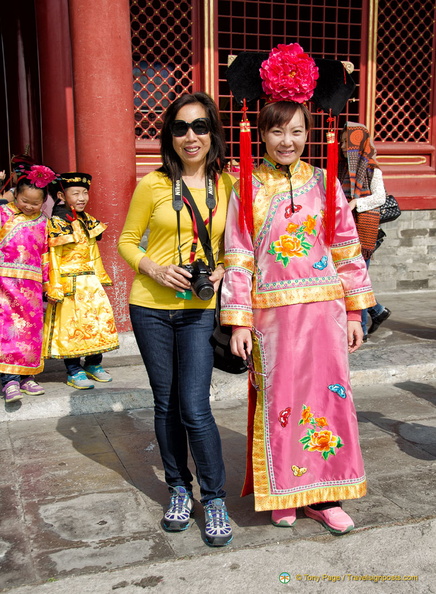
[(200, 283)]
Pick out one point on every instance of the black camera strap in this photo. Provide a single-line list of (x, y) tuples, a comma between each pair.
[(180, 191), (178, 205)]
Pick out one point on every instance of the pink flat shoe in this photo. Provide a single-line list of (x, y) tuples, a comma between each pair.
[(332, 518), (284, 518)]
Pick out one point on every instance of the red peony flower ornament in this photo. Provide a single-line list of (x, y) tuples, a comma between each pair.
[(40, 175), (289, 74)]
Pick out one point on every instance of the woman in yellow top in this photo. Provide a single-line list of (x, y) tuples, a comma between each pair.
[(172, 310)]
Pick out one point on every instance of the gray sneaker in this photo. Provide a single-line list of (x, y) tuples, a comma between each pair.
[(79, 381), (97, 373), (218, 532), (177, 516)]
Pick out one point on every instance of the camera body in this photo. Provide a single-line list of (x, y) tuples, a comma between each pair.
[(200, 283)]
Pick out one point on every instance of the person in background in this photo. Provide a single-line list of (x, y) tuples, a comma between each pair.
[(362, 182), (23, 279), (293, 290), (173, 326), (19, 165), (79, 321), (2, 178)]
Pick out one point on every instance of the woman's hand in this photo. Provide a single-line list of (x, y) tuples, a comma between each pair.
[(171, 276), (355, 335), (352, 204), (217, 276), (241, 342)]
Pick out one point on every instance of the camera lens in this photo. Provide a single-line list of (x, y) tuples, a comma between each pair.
[(203, 288)]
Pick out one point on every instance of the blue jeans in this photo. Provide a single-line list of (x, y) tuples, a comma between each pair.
[(373, 311), (73, 365), (177, 353), (5, 378)]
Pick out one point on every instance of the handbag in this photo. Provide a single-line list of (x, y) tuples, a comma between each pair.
[(389, 211), (223, 357), (380, 237)]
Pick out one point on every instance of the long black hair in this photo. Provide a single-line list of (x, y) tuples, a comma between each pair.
[(172, 165)]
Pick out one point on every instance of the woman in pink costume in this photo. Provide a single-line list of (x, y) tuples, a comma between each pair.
[(23, 274), (293, 291)]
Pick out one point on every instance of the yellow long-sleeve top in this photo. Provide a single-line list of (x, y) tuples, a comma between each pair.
[(151, 208)]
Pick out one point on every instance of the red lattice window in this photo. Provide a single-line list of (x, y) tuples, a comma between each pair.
[(334, 31), (162, 53), (403, 102)]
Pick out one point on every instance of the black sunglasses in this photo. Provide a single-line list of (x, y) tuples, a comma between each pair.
[(200, 126)]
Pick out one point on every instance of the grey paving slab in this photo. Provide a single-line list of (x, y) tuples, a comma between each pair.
[(7, 466), (95, 530), (4, 437), (411, 490), (16, 561), (132, 422), (98, 557), (51, 478), (93, 442)]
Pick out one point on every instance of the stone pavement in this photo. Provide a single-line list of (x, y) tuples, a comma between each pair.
[(82, 491)]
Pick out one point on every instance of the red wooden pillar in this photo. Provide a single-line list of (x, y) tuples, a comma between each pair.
[(104, 124), (56, 82)]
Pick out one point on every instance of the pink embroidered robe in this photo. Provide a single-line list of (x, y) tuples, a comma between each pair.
[(294, 292), (23, 273)]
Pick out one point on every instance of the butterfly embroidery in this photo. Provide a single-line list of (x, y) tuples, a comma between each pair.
[(321, 264), (284, 415), (288, 210), (298, 471), (338, 389)]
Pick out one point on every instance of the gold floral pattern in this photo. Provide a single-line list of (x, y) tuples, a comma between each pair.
[(295, 243), (306, 416), (322, 441), (317, 438)]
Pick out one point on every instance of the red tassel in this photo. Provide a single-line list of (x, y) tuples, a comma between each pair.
[(332, 172), (246, 169), (74, 213)]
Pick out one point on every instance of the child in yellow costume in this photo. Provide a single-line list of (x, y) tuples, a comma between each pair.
[(79, 321)]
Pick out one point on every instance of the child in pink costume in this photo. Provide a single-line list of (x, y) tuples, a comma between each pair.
[(23, 274)]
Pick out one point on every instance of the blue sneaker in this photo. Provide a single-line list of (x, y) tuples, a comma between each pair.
[(79, 381), (218, 531), (177, 516)]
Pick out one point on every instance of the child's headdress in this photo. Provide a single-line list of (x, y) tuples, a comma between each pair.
[(39, 176), (24, 159), (19, 164), (74, 178), (287, 73)]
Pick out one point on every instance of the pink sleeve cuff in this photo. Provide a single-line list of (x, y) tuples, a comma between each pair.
[(354, 316)]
